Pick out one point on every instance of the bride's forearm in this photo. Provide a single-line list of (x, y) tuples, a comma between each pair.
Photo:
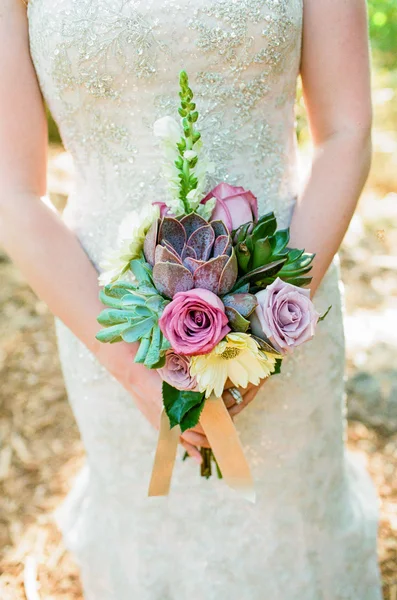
[(323, 212), (57, 268)]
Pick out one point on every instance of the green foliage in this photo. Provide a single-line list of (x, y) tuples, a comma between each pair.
[(183, 408), (382, 16), (132, 315), (263, 254), (189, 115)]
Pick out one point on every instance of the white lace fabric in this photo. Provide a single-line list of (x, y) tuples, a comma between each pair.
[(108, 69)]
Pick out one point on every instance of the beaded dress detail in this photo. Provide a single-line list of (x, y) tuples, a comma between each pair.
[(108, 69)]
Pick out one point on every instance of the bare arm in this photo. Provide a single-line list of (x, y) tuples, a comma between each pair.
[(336, 84), (34, 236)]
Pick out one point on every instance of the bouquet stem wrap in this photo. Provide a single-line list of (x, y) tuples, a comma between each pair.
[(226, 446)]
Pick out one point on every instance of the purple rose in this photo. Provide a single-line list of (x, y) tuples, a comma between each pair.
[(285, 315), (176, 372), (234, 205), (194, 322)]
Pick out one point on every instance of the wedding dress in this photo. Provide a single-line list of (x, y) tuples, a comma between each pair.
[(108, 69)]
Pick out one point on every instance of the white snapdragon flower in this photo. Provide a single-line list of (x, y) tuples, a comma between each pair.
[(189, 154), (168, 130)]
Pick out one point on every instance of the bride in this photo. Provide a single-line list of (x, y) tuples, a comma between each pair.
[(108, 69)]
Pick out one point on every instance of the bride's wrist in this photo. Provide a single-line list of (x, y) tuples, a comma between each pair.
[(118, 359)]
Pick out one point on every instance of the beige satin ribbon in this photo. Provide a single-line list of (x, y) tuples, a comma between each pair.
[(226, 446), (165, 457)]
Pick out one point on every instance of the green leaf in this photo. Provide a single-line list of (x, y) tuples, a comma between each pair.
[(111, 316), (277, 368), (165, 344), (262, 253), (294, 254), (257, 274), (141, 270), (160, 364), (325, 314), (153, 354), (119, 289), (109, 334), (109, 301), (192, 417), (243, 256), (236, 321), (138, 330), (142, 350), (279, 240), (264, 229), (178, 403), (133, 299)]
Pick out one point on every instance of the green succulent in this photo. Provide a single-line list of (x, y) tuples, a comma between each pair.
[(263, 254), (132, 315)]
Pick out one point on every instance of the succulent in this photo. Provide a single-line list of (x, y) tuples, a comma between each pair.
[(238, 308), (190, 253), (263, 255), (132, 315)]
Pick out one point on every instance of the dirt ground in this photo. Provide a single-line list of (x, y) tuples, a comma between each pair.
[(40, 450)]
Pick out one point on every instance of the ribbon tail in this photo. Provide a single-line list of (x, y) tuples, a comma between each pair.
[(226, 446), (165, 457)]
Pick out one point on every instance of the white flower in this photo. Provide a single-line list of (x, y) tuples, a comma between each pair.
[(189, 154), (206, 210), (131, 236), (168, 130)]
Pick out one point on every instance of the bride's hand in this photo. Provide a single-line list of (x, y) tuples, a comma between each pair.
[(145, 386), (248, 394)]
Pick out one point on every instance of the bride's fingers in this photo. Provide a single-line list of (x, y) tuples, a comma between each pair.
[(192, 450), (197, 439), (247, 398), (228, 399)]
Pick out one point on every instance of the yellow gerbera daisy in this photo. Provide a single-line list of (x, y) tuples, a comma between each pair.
[(237, 357)]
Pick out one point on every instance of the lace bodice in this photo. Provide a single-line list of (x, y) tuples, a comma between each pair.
[(109, 68)]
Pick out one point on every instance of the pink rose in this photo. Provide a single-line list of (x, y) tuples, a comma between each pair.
[(194, 322), (285, 315), (176, 372), (164, 210), (234, 205)]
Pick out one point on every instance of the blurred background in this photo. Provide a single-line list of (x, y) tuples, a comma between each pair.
[(40, 450)]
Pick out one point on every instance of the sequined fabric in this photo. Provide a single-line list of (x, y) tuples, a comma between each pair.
[(108, 69)]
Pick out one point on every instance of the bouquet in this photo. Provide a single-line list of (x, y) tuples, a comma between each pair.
[(210, 290)]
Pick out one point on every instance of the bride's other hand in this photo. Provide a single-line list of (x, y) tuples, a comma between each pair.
[(248, 394), (145, 387)]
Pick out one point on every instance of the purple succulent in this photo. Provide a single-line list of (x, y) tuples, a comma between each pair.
[(191, 253)]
